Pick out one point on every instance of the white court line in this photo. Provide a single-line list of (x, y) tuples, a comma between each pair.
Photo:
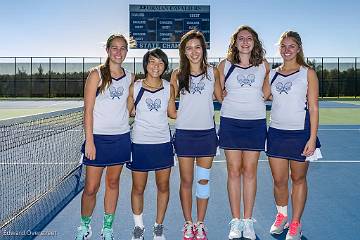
[(317, 161), (215, 161), (47, 130), (39, 163), (51, 104), (71, 130), (339, 129)]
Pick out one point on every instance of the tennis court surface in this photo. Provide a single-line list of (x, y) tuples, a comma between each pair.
[(43, 187)]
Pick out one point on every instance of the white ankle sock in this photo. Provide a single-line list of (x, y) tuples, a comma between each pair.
[(282, 210), (138, 220)]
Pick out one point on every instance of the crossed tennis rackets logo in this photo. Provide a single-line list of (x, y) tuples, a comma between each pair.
[(153, 104), (197, 87), (116, 92), (280, 87), (246, 80)]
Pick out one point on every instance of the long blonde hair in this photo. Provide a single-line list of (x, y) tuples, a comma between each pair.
[(300, 59), (105, 68)]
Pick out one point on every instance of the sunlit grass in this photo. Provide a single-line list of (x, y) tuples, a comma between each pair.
[(22, 112), (328, 116)]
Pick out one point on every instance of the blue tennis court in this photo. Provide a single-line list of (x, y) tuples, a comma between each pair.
[(331, 210), (332, 200)]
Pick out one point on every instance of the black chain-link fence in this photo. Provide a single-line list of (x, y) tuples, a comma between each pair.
[(51, 77)]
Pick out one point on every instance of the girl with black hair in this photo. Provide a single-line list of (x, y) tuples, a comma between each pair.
[(153, 99)]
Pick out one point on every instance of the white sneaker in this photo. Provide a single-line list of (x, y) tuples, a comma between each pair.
[(107, 234), (249, 232), (158, 232), (236, 227), (138, 233), (279, 224), (83, 233)]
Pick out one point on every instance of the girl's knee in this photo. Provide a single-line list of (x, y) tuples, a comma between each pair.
[(91, 190), (187, 182), (138, 189), (234, 173), (112, 183), (281, 182), (249, 173), (298, 179), (163, 187)]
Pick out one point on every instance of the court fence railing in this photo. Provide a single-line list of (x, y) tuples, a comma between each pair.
[(64, 77)]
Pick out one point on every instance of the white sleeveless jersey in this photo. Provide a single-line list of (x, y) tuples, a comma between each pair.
[(289, 104), (151, 124), (111, 115), (196, 109), (245, 98)]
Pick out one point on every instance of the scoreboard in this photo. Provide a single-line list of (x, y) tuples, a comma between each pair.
[(163, 25)]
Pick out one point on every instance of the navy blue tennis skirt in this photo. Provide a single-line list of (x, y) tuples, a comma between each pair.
[(110, 150), (288, 144), (151, 157), (237, 134), (195, 143)]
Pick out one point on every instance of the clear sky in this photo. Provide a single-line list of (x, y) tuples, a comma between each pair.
[(79, 27)]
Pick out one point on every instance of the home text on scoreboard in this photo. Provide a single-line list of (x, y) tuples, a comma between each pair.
[(163, 25)]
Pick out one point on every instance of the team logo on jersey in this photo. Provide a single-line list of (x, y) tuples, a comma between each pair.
[(116, 92), (153, 104), (197, 87), (246, 80), (183, 91), (280, 87)]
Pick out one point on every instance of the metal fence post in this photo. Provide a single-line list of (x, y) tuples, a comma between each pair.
[(356, 78), (31, 76), (322, 77), (134, 67), (83, 75), (15, 78), (338, 77), (65, 78), (49, 92)]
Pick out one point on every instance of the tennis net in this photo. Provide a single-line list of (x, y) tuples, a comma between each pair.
[(39, 169)]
